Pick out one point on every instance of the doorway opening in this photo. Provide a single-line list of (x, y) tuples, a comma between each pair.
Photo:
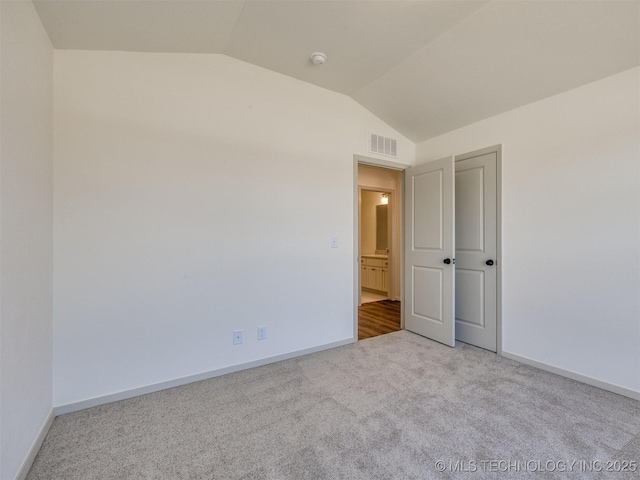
[(379, 250)]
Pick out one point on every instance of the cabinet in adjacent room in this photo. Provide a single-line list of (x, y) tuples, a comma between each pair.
[(374, 273)]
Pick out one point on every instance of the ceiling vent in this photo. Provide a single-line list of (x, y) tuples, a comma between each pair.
[(382, 145)]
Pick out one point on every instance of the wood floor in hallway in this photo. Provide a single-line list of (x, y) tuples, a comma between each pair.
[(378, 318)]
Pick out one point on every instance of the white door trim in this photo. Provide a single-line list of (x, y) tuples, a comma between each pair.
[(497, 149), (375, 162)]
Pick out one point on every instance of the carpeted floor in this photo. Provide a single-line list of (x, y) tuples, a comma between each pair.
[(385, 408)]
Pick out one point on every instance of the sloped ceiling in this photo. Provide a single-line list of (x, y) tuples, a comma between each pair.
[(424, 67)]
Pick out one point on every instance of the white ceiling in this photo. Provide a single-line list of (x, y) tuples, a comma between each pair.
[(425, 67)]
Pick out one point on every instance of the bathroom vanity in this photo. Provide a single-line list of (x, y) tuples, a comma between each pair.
[(374, 273)]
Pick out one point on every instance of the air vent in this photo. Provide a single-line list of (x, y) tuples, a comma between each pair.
[(382, 145)]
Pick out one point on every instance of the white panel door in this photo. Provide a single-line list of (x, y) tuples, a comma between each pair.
[(429, 247), (476, 250)]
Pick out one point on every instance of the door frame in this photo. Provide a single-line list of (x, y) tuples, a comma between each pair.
[(497, 149), (381, 163)]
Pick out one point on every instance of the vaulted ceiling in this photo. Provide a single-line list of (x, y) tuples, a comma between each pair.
[(424, 67)]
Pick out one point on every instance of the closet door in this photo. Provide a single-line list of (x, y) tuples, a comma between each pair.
[(429, 250), (476, 250)]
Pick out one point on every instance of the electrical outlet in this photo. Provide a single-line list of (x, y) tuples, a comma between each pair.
[(237, 337), (262, 333)]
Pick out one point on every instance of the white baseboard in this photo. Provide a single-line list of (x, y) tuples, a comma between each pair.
[(135, 392), (35, 447), (627, 392)]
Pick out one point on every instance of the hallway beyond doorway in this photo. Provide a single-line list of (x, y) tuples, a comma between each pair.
[(368, 297), (378, 318)]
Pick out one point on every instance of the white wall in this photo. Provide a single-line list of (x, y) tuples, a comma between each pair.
[(571, 226), (26, 202), (195, 195)]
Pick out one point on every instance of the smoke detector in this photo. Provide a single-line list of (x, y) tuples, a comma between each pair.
[(318, 58)]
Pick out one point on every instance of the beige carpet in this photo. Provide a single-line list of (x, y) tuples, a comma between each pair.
[(385, 408)]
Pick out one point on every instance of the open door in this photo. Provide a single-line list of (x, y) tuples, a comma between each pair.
[(429, 250)]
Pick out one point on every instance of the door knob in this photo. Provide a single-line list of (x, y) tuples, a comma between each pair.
[(447, 261), (489, 262)]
